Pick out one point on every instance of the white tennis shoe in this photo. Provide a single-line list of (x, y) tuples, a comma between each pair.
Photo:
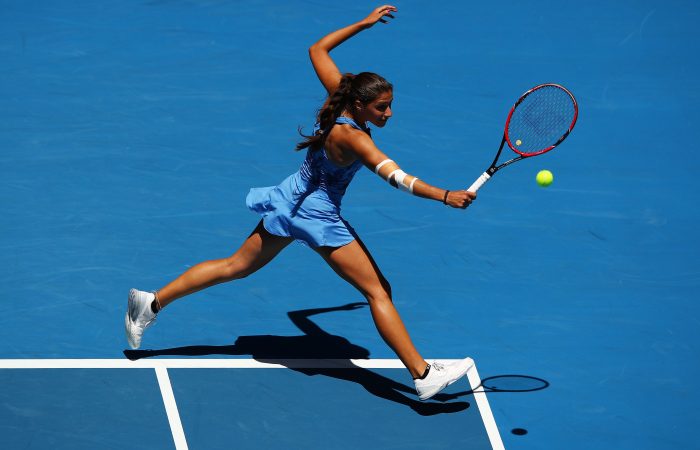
[(441, 375), (139, 316)]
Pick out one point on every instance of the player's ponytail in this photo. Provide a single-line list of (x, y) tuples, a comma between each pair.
[(365, 87)]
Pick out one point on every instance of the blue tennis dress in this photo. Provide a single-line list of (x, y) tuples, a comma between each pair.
[(306, 205)]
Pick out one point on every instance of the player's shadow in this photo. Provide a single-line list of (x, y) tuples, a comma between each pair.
[(317, 344)]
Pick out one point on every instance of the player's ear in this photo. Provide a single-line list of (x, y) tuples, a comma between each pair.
[(358, 105)]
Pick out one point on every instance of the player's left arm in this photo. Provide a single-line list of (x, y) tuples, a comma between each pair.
[(326, 69), (378, 162)]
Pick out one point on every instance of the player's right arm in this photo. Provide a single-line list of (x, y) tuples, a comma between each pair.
[(325, 67), (363, 147)]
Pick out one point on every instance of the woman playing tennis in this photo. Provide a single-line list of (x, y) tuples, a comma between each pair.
[(306, 207)]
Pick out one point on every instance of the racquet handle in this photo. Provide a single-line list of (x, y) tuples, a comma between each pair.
[(479, 182)]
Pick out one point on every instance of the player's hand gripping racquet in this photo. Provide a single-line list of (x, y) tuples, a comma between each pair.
[(539, 121)]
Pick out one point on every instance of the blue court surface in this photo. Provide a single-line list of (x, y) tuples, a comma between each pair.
[(131, 132)]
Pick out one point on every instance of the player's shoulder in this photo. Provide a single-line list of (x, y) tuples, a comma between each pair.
[(347, 137), (346, 132)]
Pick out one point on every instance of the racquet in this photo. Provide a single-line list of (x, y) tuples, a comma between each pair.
[(539, 121)]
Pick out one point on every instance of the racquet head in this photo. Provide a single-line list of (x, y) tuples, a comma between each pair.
[(541, 119)]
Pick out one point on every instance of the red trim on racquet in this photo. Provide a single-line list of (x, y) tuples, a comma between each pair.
[(544, 117)]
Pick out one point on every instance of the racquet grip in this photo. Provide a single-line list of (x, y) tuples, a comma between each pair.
[(479, 182)]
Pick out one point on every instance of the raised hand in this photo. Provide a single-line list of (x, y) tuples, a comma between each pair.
[(379, 14)]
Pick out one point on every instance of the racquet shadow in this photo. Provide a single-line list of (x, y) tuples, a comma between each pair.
[(317, 344)]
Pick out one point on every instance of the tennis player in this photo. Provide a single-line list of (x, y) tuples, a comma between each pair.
[(306, 207)]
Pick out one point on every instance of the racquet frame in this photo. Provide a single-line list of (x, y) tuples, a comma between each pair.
[(494, 167)]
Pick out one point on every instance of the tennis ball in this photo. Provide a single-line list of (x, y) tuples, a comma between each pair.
[(518, 142), (544, 178)]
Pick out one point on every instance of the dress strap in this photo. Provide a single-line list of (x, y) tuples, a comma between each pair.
[(344, 120), (352, 123)]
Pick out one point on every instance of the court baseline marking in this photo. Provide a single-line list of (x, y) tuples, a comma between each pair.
[(161, 367)]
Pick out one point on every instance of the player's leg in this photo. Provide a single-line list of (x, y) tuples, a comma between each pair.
[(355, 264), (257, 250)]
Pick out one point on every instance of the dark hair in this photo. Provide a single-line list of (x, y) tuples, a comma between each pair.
[(365, 87)]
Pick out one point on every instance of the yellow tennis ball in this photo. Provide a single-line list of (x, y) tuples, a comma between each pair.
[(518, 142), (544, 178)]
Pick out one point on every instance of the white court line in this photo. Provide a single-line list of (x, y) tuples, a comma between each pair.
[(166, 391), (192, 363), (161, 366), (485, 410)]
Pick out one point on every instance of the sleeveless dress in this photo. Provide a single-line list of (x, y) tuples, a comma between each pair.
[(306, 205)]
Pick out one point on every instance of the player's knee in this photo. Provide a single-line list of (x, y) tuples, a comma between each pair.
[(379, 295), (387, 287), (235, 269), (382, 291)]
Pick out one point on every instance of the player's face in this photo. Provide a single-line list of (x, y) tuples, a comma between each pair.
[(378, 111)]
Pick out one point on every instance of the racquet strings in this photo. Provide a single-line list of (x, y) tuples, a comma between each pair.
[(541, 120)]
